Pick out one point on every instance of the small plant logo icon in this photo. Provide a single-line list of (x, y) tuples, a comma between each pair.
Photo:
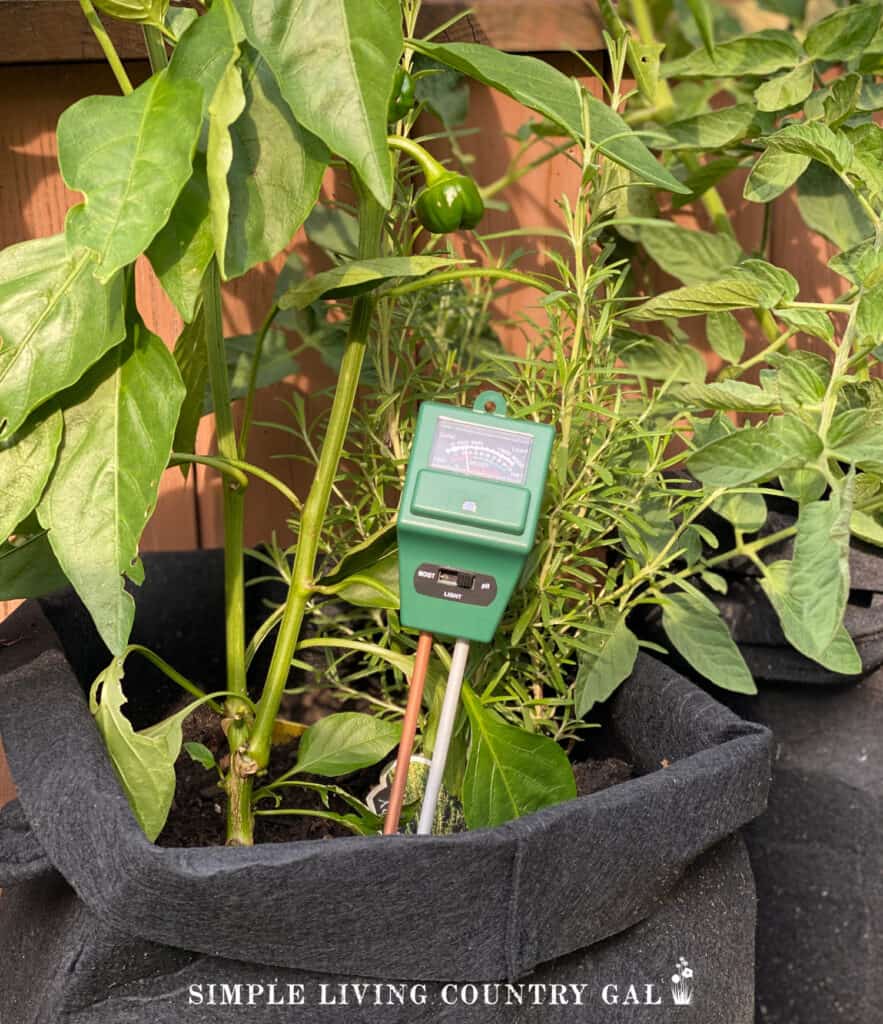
[(682, 983)]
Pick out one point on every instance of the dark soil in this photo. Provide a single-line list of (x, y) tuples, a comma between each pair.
[(197, 816)]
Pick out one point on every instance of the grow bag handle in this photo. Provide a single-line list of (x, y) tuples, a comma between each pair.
[(21, 855)]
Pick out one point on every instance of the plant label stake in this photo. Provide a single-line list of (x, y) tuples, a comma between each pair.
[(466, 525)]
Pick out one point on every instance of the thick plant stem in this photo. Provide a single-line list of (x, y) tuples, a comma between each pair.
[(240, 821), (107, 47), (370, 229), (156, 48)]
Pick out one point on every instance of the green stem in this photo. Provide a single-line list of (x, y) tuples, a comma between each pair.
[(446, 276), (156, 48), (371, 218), (253, 378), (237, 469), (240, 821), (107, 47), (432, 169), (172, 673), (838, 372)]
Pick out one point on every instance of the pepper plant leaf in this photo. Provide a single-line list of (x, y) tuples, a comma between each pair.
[(130, 156), (335, 62), (696, 629), (357, 276), (598, 675), (346, 742), (144, 761), (510, 772), (26, 460), (191, 356), (56, 320), (119, 421), (546, 90), (275, 172), (28, 568)]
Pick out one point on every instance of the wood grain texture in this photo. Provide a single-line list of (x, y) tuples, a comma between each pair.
[(40, 31)]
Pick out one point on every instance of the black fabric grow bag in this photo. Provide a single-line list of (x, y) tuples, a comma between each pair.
[(817, 853), (610, 889)]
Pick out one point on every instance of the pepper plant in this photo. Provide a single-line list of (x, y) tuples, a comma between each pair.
[(209, 168)]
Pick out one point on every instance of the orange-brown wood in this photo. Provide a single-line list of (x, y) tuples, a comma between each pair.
[(7, 787), (33, 31)]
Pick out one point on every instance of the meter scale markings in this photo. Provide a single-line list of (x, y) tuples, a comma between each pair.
[(488, 452)]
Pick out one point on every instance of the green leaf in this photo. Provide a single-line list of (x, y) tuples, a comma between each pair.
[(715, 129), (26, 460), (275, 174), (858, 263), (510, 772), (774, 173), (643, 59), (816, 141), (861, 524), (224, 108), (56, 320), (725, 335), (869, 315), (368, 574), (205, 52), (334, 62), (598, 675), (692, 256), (753, 283), (191, 356), (829, 207), (867, 159), (651, 357), (841, 100), (704, 18), (803, 485), (731, 395), (759, 54), (802, 377), (838, 655), (144, 762), (119, 421), (374, 586), (201, 754), (28, 568), (277, 361), (818, 580), (843, 34), (855, 437), (694, 626), (357, 276), (810, 321), (345, 742), (130, 156), (444, 92), (184, 247), (334, 230), (786, 90), (543, 88), (754, 454), (746, 511)]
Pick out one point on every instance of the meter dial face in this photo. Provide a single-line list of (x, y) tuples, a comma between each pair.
[(493, 453)]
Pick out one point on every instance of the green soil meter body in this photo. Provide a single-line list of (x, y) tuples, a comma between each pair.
[(468, 515)]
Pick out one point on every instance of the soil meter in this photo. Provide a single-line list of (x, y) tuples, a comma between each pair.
[(466, 525), (468, 515)]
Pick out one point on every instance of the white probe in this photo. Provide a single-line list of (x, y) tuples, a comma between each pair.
[(443, 737)]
